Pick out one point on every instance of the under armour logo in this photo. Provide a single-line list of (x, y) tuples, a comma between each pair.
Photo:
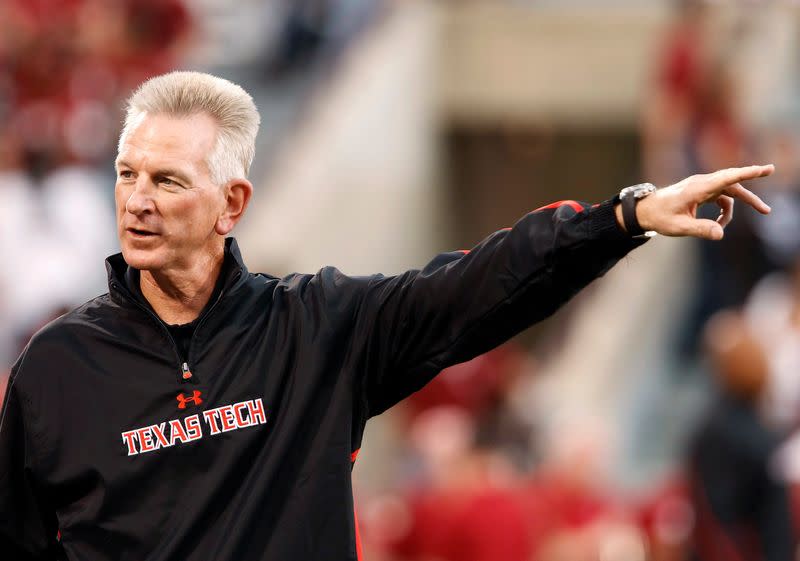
[(183, 400)]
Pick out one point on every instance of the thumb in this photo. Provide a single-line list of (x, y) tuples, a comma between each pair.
[(703, 228)]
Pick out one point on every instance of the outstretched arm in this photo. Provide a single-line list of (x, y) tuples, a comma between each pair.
[(463, 304)]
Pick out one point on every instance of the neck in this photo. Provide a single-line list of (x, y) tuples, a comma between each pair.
[(179, 295)]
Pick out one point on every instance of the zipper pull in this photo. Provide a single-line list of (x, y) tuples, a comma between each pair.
[(185, 370)]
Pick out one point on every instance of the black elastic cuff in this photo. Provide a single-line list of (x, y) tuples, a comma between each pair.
[(602, 221)]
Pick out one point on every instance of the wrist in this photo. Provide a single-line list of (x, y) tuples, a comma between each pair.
[(618, 215), (629, 212), (643, 207)]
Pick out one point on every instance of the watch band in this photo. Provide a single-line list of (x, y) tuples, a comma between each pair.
[(629, 215)]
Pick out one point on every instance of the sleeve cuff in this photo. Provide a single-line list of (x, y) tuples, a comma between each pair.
[(602, 224)]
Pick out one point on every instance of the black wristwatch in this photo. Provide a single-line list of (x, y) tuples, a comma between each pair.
[(628, 198)]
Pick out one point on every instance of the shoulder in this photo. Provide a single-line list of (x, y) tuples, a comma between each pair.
[(47, 346), (328, 289), (330, 278), (89, 314), (327, 278)]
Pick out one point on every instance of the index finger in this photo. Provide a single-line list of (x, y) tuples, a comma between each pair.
[(735, 175)]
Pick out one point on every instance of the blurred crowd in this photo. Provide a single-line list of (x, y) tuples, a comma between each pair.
[(65, 69), (480, 483), (477, 479)]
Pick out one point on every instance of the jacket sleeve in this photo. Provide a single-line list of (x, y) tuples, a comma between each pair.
[(28, 527), (465, 303)]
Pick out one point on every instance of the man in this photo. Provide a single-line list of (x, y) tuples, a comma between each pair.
[(742, 513), (198, 411)]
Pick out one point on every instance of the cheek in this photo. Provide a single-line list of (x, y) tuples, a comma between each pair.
[(190, 216), (121, 196)]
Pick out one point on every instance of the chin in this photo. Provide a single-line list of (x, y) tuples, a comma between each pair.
[(142, 259)]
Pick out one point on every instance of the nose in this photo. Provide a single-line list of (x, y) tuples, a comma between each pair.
[(140, 200)]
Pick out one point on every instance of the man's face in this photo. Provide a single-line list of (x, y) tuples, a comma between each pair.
[(167, 204)]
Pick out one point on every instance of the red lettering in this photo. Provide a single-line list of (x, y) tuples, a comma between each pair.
[(161, 439), (145, 440), (256, 409), (211, 419), (127, 438), (221, 419), (176, 432), (193, 429), (226, 417), (237, 412)]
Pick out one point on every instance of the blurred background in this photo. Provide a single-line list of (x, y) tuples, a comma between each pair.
[(654, 418)]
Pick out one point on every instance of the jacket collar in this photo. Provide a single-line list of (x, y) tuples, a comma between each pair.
[(117, 269)]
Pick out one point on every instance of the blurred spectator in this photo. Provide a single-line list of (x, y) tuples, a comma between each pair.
[(743, 510), (752, 247), (780, 235), (462, 508), (318, 27), (773, 316), (570, 510), (668, 519), (674, 97), (66, 222), (693, 122), (472, 386), (479, 388)]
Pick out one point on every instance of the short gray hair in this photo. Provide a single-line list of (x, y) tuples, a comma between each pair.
[(181, 94)]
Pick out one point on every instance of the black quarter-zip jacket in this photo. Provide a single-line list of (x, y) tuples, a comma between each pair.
[(109, 451)]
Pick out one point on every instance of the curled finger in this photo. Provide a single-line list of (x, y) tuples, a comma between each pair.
[(699, 228), (746, 196), (726, 210)]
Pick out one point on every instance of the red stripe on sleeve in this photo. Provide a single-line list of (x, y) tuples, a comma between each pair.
[(577, 207), (359, 552)]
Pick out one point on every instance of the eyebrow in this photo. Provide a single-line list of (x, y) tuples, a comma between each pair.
[(163, 172)]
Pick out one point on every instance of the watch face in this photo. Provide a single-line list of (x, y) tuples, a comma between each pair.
[(638, 191)]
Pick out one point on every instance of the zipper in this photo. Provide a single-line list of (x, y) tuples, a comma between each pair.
[(181, 364), (202, 321)]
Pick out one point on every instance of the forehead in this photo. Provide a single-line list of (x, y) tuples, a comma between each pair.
[(155, 140)]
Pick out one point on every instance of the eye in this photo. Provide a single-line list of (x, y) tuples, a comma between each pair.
[(126, 174), (168, 182)]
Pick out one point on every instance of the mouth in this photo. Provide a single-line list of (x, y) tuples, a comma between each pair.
[(140, 234)]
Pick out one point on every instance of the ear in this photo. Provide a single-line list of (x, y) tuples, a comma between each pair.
[(237, 194)]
